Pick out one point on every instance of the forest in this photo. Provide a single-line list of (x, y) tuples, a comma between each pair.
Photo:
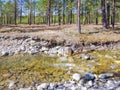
[(105, 12), (59, 44)]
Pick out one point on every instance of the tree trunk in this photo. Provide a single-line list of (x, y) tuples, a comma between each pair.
[(108, 14), (63, 12), (59, 15), (104, 22), (21, 13), (30, 17), (70, 17), (34, 10), (113, 14), (49, 8), (96, 21), (15, 13), (78, 14)]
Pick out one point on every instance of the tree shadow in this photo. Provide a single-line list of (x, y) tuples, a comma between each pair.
[(29, 28)]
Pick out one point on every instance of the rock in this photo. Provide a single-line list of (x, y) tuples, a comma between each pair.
[(83, 88), (44, 43), (11, 84), (42, 86), (60, 87), (118, 84), (106, 75), (61, 51), (89, 84), (25, 88), (44, 49), (89, 76), (53, 51), (76, 77), (22, 48), (73, 87), (63, 59), (68, 51), (33, 51), (4, 53), (57, 47), (118, 88), (33, 84), (50, 88), (85, 57), (103, 80), (110, 85)]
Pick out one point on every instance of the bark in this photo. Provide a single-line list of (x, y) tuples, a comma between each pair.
[(59, 15), (30, 17), (104, 21), (108, 14), (113, 14), (96, 21), (49, 8), (78, 14), (34, 10), (15, 13), (21, 13), (63, 12)]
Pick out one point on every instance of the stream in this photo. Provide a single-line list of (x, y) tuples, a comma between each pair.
[(27, 72)]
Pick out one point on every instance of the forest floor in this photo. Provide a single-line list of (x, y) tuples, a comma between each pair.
[(89, 33)]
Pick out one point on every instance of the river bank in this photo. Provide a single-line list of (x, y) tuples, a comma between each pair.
[(59, 60)]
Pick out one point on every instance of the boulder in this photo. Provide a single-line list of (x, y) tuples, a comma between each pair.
[(68, 51)]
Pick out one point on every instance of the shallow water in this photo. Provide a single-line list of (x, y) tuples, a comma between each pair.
[(43, 68)]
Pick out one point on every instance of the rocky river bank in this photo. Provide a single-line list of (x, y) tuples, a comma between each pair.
[(10, 45)]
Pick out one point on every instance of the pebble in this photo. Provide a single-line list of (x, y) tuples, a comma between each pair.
[(76, 77), (85, 57), (25, 88), (89, 76), (11, 84), (106, 75), (42, 86)]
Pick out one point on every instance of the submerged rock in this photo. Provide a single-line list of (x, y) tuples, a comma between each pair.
[(42, 86), (11, 84), (4, 53), (89, 76), (76, 77), (106, 75), (85, 57)]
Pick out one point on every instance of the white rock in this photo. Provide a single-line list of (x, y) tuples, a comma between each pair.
[(76, 77), (4, 53), (42, 86), (85, 57), (11, 84), (44, 49), (73, 87), (83, 88), (25, 88), (63, 59), (61, 51), (89, 83), (68, 51)]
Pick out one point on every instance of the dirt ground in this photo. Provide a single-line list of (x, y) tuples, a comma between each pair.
[(89, 33)]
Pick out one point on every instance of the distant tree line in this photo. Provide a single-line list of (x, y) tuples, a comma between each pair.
[(61, 12)]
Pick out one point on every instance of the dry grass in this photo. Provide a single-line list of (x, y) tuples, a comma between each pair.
[(90, 33)]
